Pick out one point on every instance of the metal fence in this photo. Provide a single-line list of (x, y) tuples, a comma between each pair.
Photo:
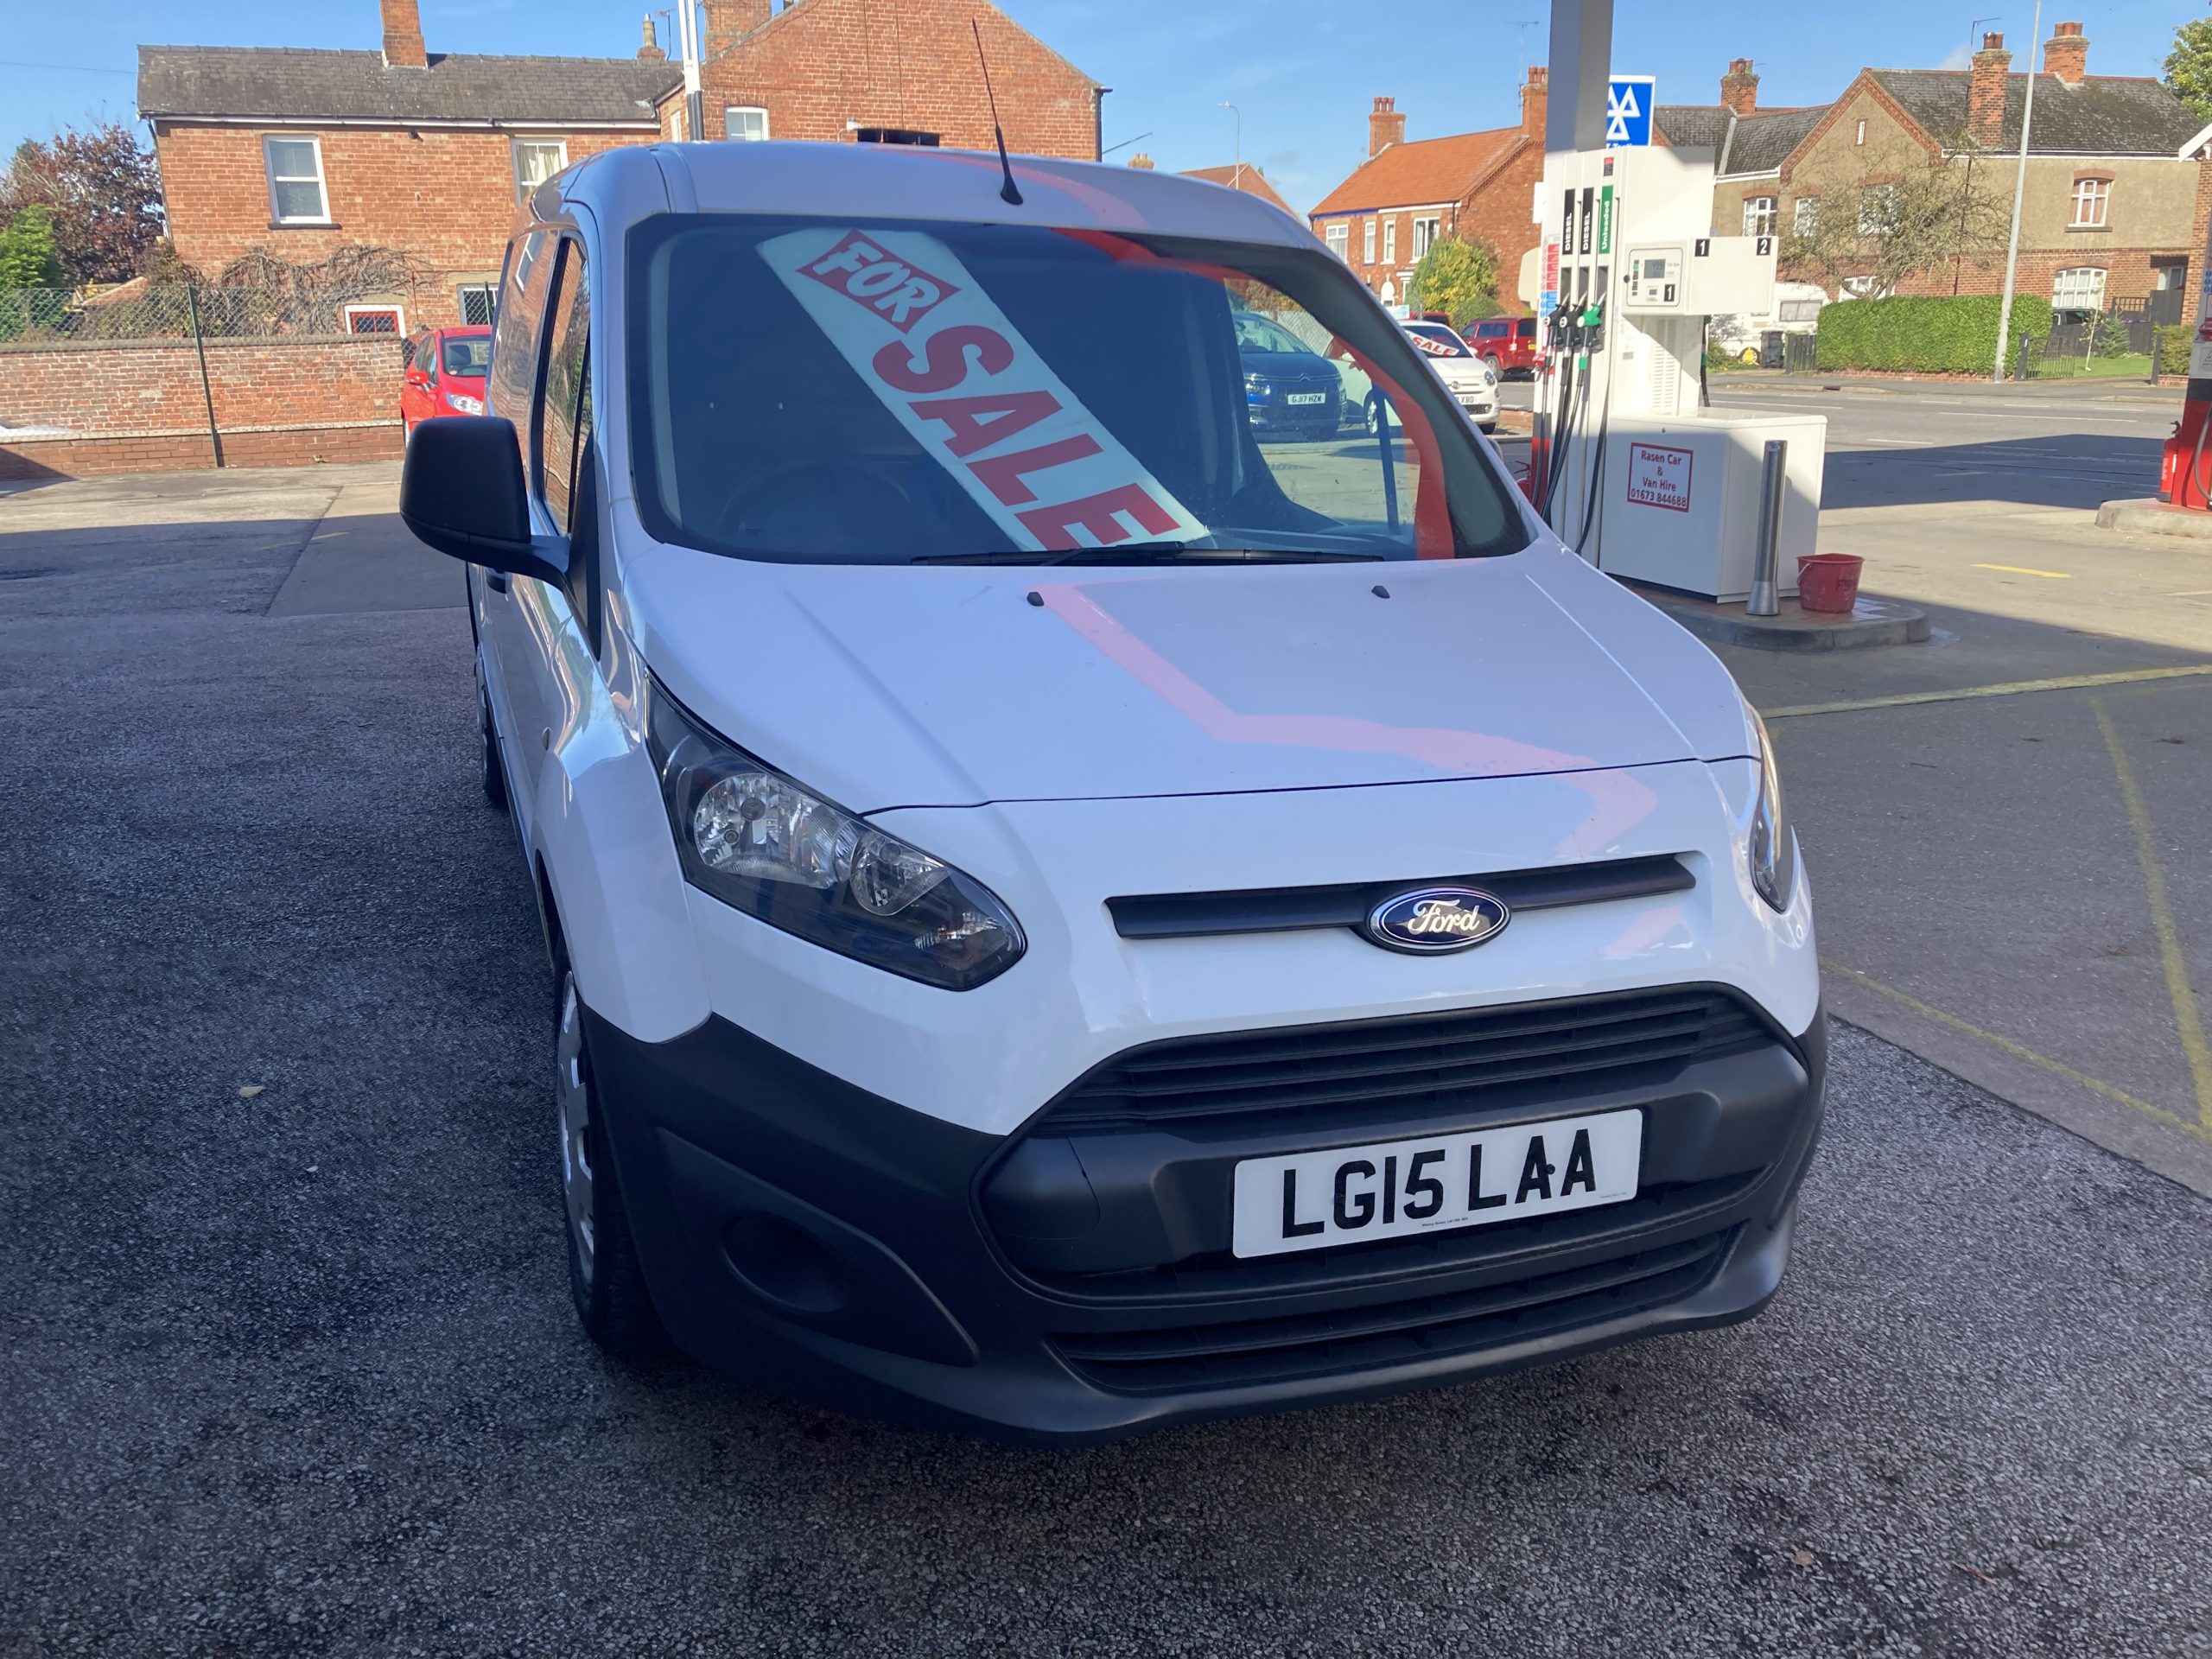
[(186, 311)]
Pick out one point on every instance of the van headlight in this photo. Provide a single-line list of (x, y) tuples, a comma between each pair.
[(1773, 852), (751, 837)]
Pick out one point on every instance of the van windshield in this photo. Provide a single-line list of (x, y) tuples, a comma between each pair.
[(844, 392)]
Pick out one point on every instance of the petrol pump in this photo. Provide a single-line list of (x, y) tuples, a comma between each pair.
[(2185, 471), (1627, 466)]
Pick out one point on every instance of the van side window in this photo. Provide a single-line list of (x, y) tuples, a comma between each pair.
[(515, 345), (564, 413)]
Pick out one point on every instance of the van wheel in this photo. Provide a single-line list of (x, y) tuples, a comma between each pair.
[(495, 778), (1495, 364), (613, 1305)]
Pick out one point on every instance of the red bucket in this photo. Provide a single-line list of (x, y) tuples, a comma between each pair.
[(1829, 581)]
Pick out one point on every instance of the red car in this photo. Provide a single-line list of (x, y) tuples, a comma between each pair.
[(444, 373), (1506, 344)]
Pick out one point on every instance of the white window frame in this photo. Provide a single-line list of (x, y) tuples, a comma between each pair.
[(398, 319), (1862, 134), (1390, 240), (2079, 296), (515, 148), (1877, 206), (1338, 237), (1427, 230), (2092, 208), (744, 109), (675, 123), (1806, 216), (1759, 215), (490, 292), (276, 213), (1369, 258)]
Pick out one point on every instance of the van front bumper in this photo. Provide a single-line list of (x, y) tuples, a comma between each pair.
[(1073, 1283)]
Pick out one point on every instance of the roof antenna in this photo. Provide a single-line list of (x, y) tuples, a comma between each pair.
[(1009, 192)]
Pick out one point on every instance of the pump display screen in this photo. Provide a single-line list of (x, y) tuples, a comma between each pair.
[(1654, 271)]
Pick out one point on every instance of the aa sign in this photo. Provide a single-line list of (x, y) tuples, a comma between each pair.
[(931, 347)]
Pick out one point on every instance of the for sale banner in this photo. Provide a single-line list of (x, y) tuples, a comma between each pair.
[(931, 345)]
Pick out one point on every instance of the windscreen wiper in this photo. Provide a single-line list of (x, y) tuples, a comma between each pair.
[(1152, 553)]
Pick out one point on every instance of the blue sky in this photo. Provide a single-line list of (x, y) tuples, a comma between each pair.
[(1303, 71)]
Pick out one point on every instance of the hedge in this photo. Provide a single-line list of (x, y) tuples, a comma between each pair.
[(1942, 335)]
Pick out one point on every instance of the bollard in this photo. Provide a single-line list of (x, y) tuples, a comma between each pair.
[(1766, 590)]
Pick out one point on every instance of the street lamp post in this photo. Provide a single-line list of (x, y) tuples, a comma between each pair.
[(1236, 177), (2019, 192)]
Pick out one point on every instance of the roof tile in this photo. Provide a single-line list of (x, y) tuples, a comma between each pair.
[(1427, 170), (286, 84)]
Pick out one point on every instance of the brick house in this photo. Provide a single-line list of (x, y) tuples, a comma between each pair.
[(836, 70), (1480, 187), (296, 153), (2119, 182)]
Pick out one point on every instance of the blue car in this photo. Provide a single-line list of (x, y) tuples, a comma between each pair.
[(1290, 389)]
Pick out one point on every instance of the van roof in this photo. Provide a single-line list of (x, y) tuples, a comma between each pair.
[(632, 182)]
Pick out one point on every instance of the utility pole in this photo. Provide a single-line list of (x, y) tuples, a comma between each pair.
[(686, 32), (1236, 177), (2020, 195)]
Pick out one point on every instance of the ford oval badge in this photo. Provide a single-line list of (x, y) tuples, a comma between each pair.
[(1431, 919)]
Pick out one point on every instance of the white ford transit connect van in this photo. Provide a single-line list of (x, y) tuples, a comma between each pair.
[(1075, 908)]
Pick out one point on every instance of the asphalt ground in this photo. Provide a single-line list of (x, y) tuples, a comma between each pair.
[(291, 1364)]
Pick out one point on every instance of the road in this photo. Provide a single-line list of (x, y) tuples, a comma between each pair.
[(291, 1363)]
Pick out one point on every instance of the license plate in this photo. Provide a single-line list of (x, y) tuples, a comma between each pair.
[(1307, 397), (1311, 1200), (1472, 400)]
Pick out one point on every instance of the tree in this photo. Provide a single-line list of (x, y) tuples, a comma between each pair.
[(1873, 237), (104, 192), (1458, 278), (2188, 68), (28, 258)]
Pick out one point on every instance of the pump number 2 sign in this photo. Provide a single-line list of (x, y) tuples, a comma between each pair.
[(1659, 476)]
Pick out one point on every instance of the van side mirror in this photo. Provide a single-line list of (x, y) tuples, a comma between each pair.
[(462, 491)]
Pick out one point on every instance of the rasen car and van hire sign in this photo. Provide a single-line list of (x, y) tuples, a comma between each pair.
[(1659, 476)]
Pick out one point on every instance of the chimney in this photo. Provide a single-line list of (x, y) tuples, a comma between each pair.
[(1985, 92), (651, 52), (727, 20), (1141, 162), (403, 35), (2066, 54), (1739, 87), (1533, 96), (1385, 127)]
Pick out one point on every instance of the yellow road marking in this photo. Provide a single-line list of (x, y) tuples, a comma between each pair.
[(2023, 570), (2007, 689), (2056, 1068), (2162, 920)]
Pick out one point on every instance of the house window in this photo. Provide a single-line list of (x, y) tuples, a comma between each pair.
[(2091, 198), (1807, 218), (1390, 240), (295, 192), (1426, 230), (1370, 242), (675, 123), (1339, 240), (745, 123), (2081, 289), (1862, 134), (536, 160), (1878, 210), (387, 319), (475, 300), (1759, 215)]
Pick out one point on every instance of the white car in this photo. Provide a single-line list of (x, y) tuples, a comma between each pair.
[(1471, 381), (1067, 914)]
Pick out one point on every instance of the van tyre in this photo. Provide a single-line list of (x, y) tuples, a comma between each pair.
[(605, 1280), (1495, 364), (495, 776)]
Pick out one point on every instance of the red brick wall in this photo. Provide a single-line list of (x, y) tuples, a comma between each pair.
[(137, 406), (448, 198), (913, 66)]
